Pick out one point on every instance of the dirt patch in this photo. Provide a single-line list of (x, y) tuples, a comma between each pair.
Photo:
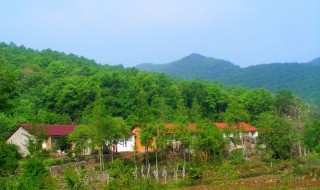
[(264, 182)]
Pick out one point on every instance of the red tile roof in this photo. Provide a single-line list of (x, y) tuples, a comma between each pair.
[(52, 130), (243, 125)]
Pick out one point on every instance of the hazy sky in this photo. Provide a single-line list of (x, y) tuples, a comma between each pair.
[(130, 32)]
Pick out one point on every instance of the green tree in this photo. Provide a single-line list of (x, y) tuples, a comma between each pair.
[(8, 85), (64, 144), (236, 113), (7, 126), (148, 134), (195, 113), (82, 139), (283, 101), (216, 100), (9, 156), (312, 135), (34, 144), (107, 130), (277, 135), (209, 142), (182, 122), (34, 176), (257, 101), (290, 107)]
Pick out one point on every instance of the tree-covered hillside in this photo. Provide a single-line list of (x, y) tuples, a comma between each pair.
[(55, 88), (301, 79), (49, 87)]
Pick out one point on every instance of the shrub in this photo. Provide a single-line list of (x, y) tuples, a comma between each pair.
[(120, 175), (9, 156), (35, 175), (195, 172), (75, 178), (227, 171), (53, 161), (237, 158)]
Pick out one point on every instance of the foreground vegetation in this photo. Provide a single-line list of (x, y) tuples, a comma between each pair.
[(48, 87), (233, 172)]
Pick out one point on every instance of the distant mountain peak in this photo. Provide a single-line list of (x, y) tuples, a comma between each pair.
[(196, 55), (193, 57)]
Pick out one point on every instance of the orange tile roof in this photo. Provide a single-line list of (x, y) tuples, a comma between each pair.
[(243, 125)]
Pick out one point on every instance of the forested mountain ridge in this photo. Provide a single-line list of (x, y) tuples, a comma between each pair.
[(205, 67), (301, 79), (49, 87)]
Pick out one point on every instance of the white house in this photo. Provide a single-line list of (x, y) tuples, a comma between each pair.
[(246, 133), (25, 131)]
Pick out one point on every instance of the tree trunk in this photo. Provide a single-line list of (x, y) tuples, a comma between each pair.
[(243, 148), (156, 158), (100, 160), (112, 154), (300, 151), (147, 156)]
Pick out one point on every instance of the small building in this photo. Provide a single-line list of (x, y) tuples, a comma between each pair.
[(248, 132), (170, 129), (52, 133), (241, 135), (242, 128)]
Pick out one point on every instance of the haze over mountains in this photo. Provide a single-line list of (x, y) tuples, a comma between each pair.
[(301, 78)]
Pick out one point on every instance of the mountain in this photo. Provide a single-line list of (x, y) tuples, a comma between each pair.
[(192, 67), (301, 78), (315, 61)]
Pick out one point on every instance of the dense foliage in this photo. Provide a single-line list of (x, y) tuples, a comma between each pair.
[(9, 157)]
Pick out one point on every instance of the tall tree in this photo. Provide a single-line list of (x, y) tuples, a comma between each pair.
[(257, 101), (148, 134), (209, 141), (236, 113), (277, 134), (8, 85), (312, 136)]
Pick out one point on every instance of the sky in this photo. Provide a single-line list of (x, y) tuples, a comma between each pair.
[(130, 32)]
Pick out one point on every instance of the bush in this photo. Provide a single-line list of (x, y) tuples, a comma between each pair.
[(317, 148), (227, 171), (75, 178), (312, 159), (9, 156), (35, 175), (120, 175), (237, 158), (195, 172), (53, 161)]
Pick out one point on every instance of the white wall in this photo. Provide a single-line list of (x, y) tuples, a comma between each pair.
[(125, 146), (20, 138)]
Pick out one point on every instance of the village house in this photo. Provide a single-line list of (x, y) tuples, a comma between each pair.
[(241, 130), (241, 135), (248, 134), (52, 133)]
